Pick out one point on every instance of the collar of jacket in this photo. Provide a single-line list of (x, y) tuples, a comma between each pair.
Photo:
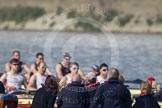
[(75, 83), (113, 80), (144, 94)]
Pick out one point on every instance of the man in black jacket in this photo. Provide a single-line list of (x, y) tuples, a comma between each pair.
[(74, 95), (112, 94)]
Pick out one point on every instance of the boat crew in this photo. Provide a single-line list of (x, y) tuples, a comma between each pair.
[(45, 96), (21, 65), (34, 66), (2, 88), (91, 86), (95, 69), (63, 68), (146, 99), (13, 79), (74, 95), (38, 78), (102, 78), (74, 67), (112, 94)]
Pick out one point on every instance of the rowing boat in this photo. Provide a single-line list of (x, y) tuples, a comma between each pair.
[(26, 102)]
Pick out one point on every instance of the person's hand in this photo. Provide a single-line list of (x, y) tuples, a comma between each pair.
[(86, 79), (10, 88)]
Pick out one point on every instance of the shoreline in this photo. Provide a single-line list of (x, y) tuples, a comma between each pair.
[(74, 31)]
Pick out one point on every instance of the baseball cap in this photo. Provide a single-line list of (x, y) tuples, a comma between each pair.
[(95, 67), (91, 75), (66, 55), (150, 79)]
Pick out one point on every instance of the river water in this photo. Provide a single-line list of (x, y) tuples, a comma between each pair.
[(135, 55)]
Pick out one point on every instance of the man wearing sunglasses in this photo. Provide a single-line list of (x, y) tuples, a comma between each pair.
[(34, 66), (13, 79), (102, 78), (21, 65), (38, 78)]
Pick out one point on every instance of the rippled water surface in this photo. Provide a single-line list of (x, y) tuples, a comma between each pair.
[(135, 55)]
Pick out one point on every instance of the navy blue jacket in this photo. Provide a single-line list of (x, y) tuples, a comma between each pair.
[(73, 96), (146, 101), (44, 98), (2, 89), (112, 94), (91, 89)]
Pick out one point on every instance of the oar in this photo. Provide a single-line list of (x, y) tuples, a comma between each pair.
[(136, 81)]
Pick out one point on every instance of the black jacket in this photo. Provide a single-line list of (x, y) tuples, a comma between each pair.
[(146, 101), (91, 89), (44, 98), (73, 96), (112, 94), (2, 89)]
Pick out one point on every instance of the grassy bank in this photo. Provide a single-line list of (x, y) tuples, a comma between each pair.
[(118, 16), (20, 14)]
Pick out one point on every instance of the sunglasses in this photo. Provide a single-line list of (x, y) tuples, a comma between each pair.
[(40, 58), (75, 68), (67, 59), (43, 67), (15, 64), (105, 70)]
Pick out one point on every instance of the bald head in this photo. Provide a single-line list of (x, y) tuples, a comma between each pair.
[(76, 77), (113, 73)]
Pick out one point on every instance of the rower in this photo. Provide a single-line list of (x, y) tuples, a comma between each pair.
[(38, 78), (13, 79), (74, 67), (34, 66), (63, 68), (95, 69), (102, 78), (21, 65)]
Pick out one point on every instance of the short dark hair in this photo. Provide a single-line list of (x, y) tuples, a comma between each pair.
[(38, 54), (103, 65), (74, 63), (51, 82), (14, 61), (16, 51)]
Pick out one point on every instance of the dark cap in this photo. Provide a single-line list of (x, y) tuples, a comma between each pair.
[(66, 55), (95, 67)]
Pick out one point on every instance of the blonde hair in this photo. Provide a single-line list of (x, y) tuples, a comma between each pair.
[(113, 73), (146, 87), (155, 85), (1, 73), (42, 62), (121, 78)]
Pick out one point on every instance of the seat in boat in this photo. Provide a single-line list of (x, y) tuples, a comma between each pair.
[(8, 103)]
